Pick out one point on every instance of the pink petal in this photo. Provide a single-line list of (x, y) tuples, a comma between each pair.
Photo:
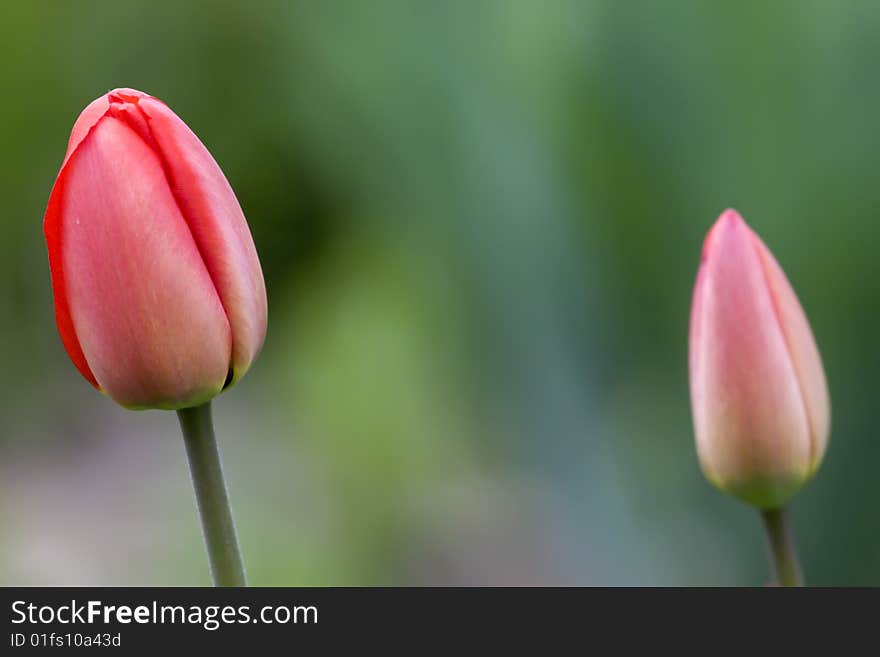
[(218, 226), (803, 351), (87, 119), (52, 228)]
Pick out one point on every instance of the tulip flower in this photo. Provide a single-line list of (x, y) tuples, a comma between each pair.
[(758, 392), (159, 294)]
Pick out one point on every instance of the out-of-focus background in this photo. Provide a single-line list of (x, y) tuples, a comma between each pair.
[(479, 224)]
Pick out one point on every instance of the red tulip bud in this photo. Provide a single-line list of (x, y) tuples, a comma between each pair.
[(159, 295), (758, 391)]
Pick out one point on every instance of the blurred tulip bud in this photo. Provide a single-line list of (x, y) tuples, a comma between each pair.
[(758, 391), (159, 295)]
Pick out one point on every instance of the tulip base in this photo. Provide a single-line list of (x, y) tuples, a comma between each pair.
[(780, 543), (227, 568)]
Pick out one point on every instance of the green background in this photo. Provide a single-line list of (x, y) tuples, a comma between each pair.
[(479, 224)]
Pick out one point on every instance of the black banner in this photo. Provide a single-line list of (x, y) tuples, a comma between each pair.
[(129, 620)]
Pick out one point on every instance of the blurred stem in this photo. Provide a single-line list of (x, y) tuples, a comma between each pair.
[(780, 542), (227, 568)]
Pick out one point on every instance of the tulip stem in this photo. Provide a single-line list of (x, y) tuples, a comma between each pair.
[(780, 543), (227, 568)]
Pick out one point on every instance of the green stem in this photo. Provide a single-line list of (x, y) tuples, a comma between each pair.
[(227, 568), (780, 542)]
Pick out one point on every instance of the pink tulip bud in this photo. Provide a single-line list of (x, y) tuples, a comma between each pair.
[(758, 392), (159, 295)]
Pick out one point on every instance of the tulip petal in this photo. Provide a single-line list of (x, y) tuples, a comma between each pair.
[(218, 226), (86, 120), (52, 228), (803, 350), (753, 435), (144, 309)]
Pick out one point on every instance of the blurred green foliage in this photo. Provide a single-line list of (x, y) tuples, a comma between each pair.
[(479, 224)]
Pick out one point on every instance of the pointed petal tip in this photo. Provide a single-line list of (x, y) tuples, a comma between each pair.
[(95, 111), (727, 220), (126, 95), (730, 215)]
